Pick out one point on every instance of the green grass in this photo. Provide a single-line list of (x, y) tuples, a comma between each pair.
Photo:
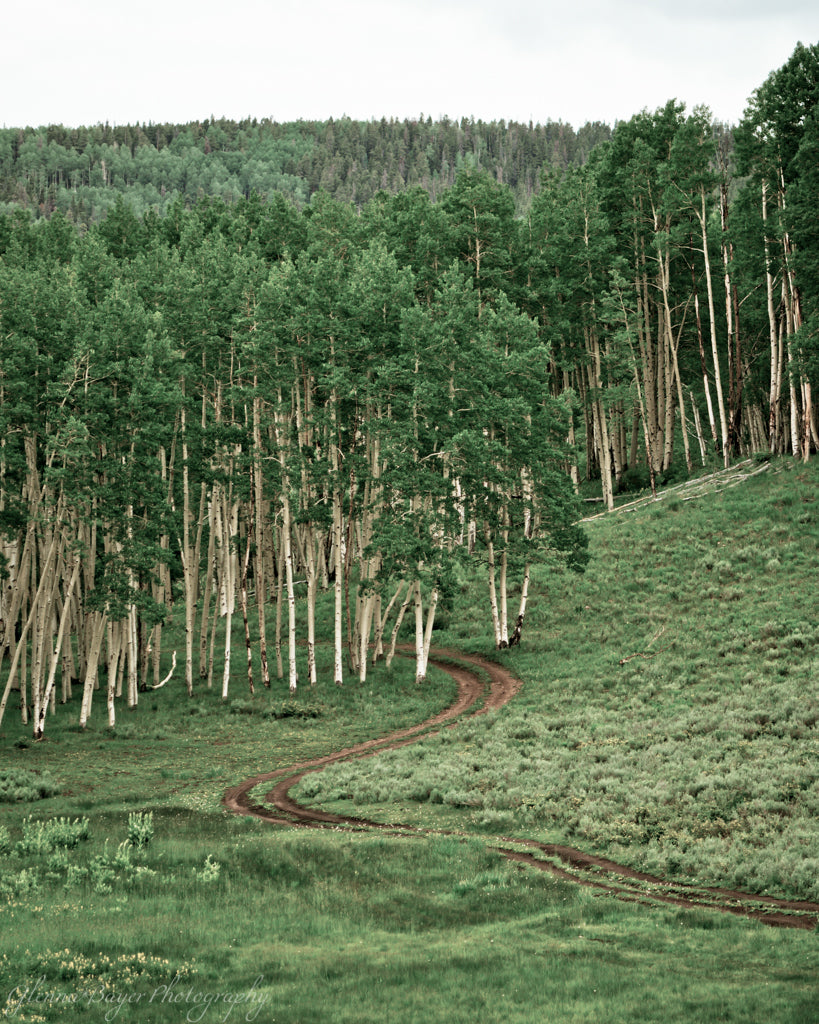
[(670, 708), (668, 718)]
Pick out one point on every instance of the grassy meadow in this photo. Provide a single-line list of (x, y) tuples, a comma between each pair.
[(668, 719)]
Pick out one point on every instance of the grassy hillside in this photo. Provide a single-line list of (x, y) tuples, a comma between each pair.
[(670, 711), (668, 718)]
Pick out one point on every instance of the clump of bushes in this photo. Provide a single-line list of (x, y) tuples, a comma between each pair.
[(20, 784), (140, 828), (47, 836), (285, 709)]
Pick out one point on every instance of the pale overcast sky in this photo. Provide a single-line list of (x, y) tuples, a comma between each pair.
[(91, 61)]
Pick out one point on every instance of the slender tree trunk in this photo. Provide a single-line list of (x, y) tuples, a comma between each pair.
[(398, 621), (207, 627), (243, 601), (423, 633), (65, 618), (97, 624), (378, 649), (44, 583), (493, 592), (259, 562), (712, 317), (706, 386), (514, 640), (775, 377), (189, 569)]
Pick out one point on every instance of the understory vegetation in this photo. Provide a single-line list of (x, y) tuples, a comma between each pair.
[(670, 711), (668, 718)]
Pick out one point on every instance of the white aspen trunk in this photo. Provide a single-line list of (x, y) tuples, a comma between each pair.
[(780, 376), (338, 586), (243, 601), (646, 438), (132, 653), (706, 384), (378, 648), (211, 649), (21, 645), (122, 659), (189, 570), (681, 402), (809, 425), (162, 590), (493, 593), (337, 537), (287, 553), (367, 608), (793, 309), (775, 379), (224, 523), (207, 627), (731, 329), (397, 627), (279, 604), (311, 572), (594, 370), (113, 650), (420, 665), (369, 563), (23, 676), (65, 618), (673, 371), (723, 423), (68, 670), (603, 452), (793, 406), (97, 626), (504, 600), (524, 595), (228, 617), (698, 427), (113, 665), (44, 616), (260, 562), (668, 370), (44, 613), (433, 604), (20, 590), (648, 400)]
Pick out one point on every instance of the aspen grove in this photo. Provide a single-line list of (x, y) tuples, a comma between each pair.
[(227, 410), (190, 426)]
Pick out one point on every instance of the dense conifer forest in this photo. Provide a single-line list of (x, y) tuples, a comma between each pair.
[(80, 171), (245, 364)]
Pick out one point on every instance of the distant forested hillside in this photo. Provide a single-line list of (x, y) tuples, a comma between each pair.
[(79, 171)]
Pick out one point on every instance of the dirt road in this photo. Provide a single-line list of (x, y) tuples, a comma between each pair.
[(476, 697)]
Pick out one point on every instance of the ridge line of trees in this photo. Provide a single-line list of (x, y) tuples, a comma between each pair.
[(80, 171)]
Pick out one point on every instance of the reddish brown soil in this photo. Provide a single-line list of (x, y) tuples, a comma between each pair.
[(605, 876)]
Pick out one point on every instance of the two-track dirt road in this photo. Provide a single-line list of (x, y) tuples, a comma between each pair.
[(477, 697)]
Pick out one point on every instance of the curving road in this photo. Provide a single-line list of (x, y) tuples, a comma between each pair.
[(477, 697)]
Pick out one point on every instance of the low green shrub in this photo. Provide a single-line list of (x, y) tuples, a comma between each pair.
[(140, 828), (20, 784), (46, 836)]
